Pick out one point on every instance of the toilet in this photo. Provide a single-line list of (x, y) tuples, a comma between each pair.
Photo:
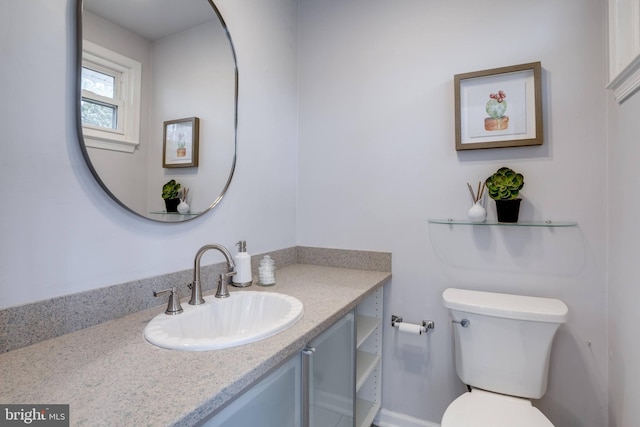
[(502, 347)]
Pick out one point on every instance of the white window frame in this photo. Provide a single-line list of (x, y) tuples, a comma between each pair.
[(128, 80), (624, 48)]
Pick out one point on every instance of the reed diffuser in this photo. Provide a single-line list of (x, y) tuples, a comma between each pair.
[(477, 213), (184, 207)]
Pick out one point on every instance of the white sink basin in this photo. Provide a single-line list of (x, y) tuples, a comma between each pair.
[(244, 317)]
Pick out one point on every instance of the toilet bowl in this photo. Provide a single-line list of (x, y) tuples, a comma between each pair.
[(480, 408), (502, 346)]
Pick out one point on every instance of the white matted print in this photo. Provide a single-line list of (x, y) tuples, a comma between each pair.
[(180, 144), (499, 107)]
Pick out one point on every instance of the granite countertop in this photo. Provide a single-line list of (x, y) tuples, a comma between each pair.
[(110, 375)]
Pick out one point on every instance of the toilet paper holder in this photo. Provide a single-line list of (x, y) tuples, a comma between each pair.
[(425, 326)]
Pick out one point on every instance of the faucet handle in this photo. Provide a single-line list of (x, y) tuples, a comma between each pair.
[(222, 291), (173, 306)]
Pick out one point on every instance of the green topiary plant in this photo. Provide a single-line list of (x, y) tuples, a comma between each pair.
[(505, 184), (170, 190)]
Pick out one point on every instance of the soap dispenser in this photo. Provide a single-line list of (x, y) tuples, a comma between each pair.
[(242, 278)]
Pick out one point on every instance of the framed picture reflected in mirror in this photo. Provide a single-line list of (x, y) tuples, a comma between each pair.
[(180, 143)]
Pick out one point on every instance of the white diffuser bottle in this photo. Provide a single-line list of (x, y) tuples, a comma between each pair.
[(242, 278)]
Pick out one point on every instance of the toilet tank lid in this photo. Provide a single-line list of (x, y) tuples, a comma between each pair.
[(506, 305)]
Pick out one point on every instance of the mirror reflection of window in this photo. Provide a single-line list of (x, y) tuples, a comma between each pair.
[(99, 106), (110, 102)]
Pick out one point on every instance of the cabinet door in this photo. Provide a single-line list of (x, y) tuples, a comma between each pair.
[(328, 366), (273, 402)]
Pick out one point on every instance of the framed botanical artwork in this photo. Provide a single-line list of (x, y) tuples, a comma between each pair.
[(180, 143), (501, 107)]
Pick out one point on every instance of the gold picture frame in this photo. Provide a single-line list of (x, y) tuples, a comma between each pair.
[(180, 143), (500, 107)]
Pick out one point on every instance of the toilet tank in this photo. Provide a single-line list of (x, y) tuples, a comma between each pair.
[(506, 345)]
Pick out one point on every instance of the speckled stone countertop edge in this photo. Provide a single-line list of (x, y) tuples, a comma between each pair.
[(109, 370)]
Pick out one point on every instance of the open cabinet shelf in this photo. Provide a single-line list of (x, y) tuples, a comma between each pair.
[(365, 327), (368, 358), (365, 364), (366, 411)]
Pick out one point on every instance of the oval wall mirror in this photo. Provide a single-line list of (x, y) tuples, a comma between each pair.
[(157, 90)]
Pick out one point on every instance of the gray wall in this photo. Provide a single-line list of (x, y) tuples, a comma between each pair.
[(377, 160), (65, 234), (373, 162)]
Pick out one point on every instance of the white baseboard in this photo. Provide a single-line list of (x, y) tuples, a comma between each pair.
[(386, 418)]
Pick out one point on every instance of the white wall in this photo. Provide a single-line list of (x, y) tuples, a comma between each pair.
[(624, 292), (188, 83), (377, 160), (124, 173), (64, 234)]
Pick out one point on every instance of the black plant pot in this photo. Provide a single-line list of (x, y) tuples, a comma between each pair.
[(172, 204), (508, 210)]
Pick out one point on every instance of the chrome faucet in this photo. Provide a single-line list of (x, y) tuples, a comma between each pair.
[(196, 287)]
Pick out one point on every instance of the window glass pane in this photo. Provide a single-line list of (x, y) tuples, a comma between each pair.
[(97, 114), (99, 83)]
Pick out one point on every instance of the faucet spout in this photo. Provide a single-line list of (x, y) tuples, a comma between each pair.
[(196, 287)]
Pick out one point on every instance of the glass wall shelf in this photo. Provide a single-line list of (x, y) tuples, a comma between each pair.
[(547, 223), (165, 216), (175, 213)]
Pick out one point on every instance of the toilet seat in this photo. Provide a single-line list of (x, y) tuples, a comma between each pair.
[(480, 408)]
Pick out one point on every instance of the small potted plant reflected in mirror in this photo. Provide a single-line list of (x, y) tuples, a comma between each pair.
[(170, 194), (504, 187)]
